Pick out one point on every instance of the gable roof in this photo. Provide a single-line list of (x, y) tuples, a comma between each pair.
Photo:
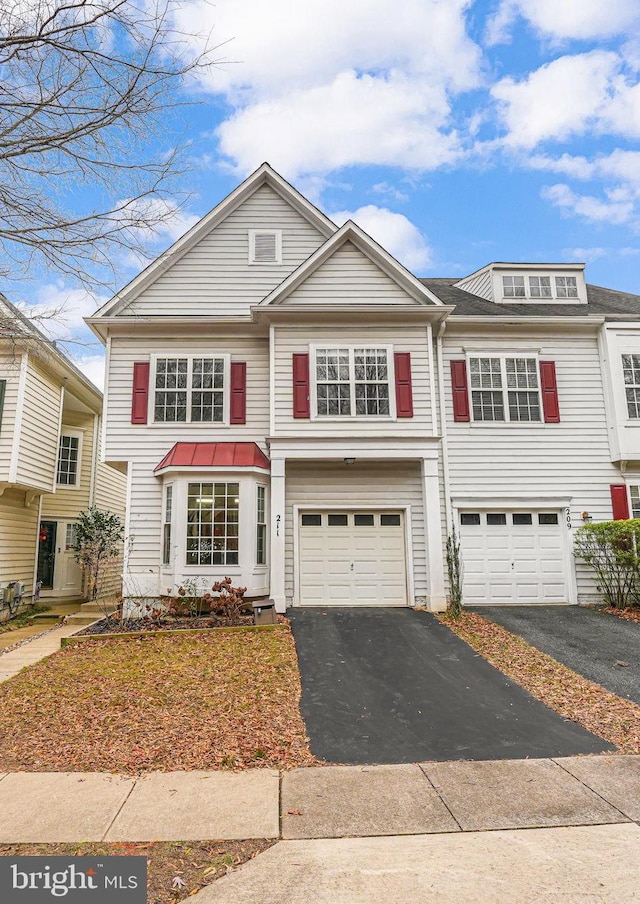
[(264, 175), (19, 330), (351, 232)]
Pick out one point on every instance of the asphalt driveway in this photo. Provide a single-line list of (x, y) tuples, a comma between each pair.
[(396, 686), (602, 647)]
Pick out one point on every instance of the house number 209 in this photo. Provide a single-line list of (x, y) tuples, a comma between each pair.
[(567, 514)]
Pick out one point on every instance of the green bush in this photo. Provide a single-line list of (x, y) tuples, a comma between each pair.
[(612, 550)]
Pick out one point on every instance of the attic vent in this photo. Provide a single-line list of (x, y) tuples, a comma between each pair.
[(265, 246)]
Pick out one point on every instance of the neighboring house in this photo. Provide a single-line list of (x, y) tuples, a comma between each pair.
[(50, 418), (299, 412)]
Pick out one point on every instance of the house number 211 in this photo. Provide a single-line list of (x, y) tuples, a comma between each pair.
[(278, 519)]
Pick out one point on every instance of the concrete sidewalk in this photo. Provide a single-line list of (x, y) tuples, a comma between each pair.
[(33, 651), (322, 802)]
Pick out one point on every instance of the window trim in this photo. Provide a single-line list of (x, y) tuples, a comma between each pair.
[(347, 418), (78, 434), (227, 481), (261, 524), (252, 248), (226, 389), (634, 421), (529, 298), (168, 489), (503, 356)]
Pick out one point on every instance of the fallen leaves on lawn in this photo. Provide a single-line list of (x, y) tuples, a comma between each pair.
[(632, 614), (576, 698), (198, 863), (220, 700)]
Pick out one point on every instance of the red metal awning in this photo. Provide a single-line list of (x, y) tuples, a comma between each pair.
[(214, 455)]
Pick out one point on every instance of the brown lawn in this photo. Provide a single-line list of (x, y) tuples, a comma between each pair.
[(221, 699)]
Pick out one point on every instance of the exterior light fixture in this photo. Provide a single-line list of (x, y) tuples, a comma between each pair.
[(349, 461)]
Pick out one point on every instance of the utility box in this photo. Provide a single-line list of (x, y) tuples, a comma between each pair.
[(264, 612)]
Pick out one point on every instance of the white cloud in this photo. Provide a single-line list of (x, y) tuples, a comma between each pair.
[(325, 84), (282, 46), (92, 366), (59, 311), (568, 96), (356, 119), (586, 255), (566, 19), (613, 210), (397, 235)]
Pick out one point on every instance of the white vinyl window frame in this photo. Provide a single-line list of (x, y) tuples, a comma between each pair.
[(256, 234), (166, 539), (190, 390), (540, 288), (351, 382), (261, 526), (633, 494), (630, 363), (71, 434), (500, 374)]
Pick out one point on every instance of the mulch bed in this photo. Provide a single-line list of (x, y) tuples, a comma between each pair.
[(574, 697), (194, 864), (168, 623), (215, 700)]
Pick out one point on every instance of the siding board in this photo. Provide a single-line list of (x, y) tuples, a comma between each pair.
[(215, 277)]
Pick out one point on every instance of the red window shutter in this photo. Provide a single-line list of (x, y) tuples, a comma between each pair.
[(549, 387), (238, 406), (460, 391), (140, 395), (619, 501), (404, 391), (301, 406)]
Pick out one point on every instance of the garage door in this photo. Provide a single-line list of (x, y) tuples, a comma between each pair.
[(513, 557), (352, 559)]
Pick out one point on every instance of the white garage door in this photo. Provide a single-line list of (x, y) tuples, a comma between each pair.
[(513, 557), (352, 559)]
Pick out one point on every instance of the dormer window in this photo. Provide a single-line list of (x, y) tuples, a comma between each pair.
[(265, 246), (566, 287), (513, 286), (540, 286)]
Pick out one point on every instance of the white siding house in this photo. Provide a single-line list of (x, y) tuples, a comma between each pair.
[(49, 468), (297, 411)]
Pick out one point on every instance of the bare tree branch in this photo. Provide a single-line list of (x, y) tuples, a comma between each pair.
[(85, 86)]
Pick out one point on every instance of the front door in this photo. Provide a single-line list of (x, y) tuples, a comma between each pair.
[(47, 553)]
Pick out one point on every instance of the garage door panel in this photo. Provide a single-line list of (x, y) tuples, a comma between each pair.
[(361, 563), (517, 563)]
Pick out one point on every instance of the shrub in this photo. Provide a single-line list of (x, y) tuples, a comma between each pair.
[(98, 538), (454, 571), (230, 599), (612, 550)]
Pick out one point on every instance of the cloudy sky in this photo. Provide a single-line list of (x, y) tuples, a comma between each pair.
[(454, 132)]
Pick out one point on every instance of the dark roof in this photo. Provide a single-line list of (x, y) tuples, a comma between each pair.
[(601, 302)]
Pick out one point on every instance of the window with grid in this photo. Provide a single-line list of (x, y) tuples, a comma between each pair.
[(352, 382), (631, 371), (212, 523), (166, 526), (566, 287), (505, 389), (634, 493), (189, 389), (261, 528), (513, 286), (540, 286), (68, 453)]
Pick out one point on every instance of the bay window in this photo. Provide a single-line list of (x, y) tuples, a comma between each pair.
[(212, 523)]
